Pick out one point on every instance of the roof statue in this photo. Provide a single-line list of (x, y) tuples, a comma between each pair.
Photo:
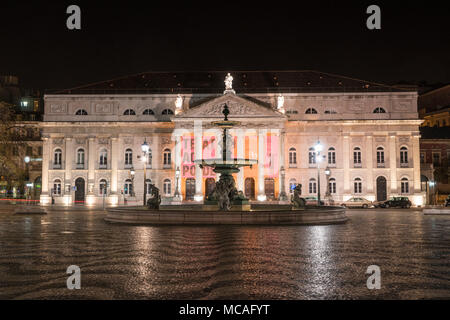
[(229, 84)]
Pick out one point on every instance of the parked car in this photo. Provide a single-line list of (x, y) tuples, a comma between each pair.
[(312, 201), (396, 202), (447, 201), (357, 203)]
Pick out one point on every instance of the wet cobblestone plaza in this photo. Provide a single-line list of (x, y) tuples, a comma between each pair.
[(224, 262)]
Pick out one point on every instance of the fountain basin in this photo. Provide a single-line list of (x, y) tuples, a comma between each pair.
[(194, 216)]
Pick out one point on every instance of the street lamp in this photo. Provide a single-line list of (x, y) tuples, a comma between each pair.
[(177, 191), (145, 148), (318, 147), (328, 192), (132, 173)]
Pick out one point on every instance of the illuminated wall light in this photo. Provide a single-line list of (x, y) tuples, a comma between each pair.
[(262, 197), (90, 200), (198, 198), (418, 201), (113, 200)]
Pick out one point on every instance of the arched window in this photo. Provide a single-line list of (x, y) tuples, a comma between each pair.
[(80, 157), (148, 182), (311, 111), (57, 157), (167, 112), (128, 187), (332, 185), (57, 187), (167, 187), (292, 157), (403, 155), (380, 156), (81, 112), (331, 156), (103, 158), (148, 112), (312, 186), (357, 156), (128, 157), (292, 185), (129, 112), (379, 110), (357, 183), (312, 156), (405, 186), (167, 158), (103, 187)]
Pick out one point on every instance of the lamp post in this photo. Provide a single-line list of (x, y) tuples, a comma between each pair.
[(283, 196), (145, 147), (318, 147), (132, 173), (177, 191), (328, 192)]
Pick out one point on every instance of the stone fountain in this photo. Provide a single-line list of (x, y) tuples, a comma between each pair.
[(225, 196)]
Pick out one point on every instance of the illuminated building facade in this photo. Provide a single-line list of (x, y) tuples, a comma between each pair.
[(369, 134)]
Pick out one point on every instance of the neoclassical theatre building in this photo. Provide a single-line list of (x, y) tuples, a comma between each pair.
[(93, 137)]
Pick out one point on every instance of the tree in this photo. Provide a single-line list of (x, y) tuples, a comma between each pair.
[(12, 139)]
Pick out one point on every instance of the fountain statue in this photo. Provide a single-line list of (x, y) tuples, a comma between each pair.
[(296, 200), (225, 193), (155, 198)]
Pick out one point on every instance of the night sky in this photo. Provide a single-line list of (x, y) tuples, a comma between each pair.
[(137, 36)]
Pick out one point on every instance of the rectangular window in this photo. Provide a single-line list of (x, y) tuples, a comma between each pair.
[(331, 157), (405, 187), (312, 157), (357, 157), (380, 157), (332, 187), (436, 159), (422, 157)]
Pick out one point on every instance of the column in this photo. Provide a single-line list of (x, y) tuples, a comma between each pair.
[(156, 153), (67, 188), (281, 171), (90, 198), (416, 162), (218, 149), (198, 142), (46, 159), (177, 178), (261, 160), (91, 165), (114, 160), (240, 155), (393, 162), (369, 163), (346, 160)]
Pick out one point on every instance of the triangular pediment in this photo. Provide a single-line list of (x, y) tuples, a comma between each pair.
[(239, 108)]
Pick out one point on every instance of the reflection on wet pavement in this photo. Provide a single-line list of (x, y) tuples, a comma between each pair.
[(224, 262)]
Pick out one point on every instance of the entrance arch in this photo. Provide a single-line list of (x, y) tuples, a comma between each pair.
[(80, 190), (250, 188), (210, 184), (190, 188), (381, 189), (269, 187)]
